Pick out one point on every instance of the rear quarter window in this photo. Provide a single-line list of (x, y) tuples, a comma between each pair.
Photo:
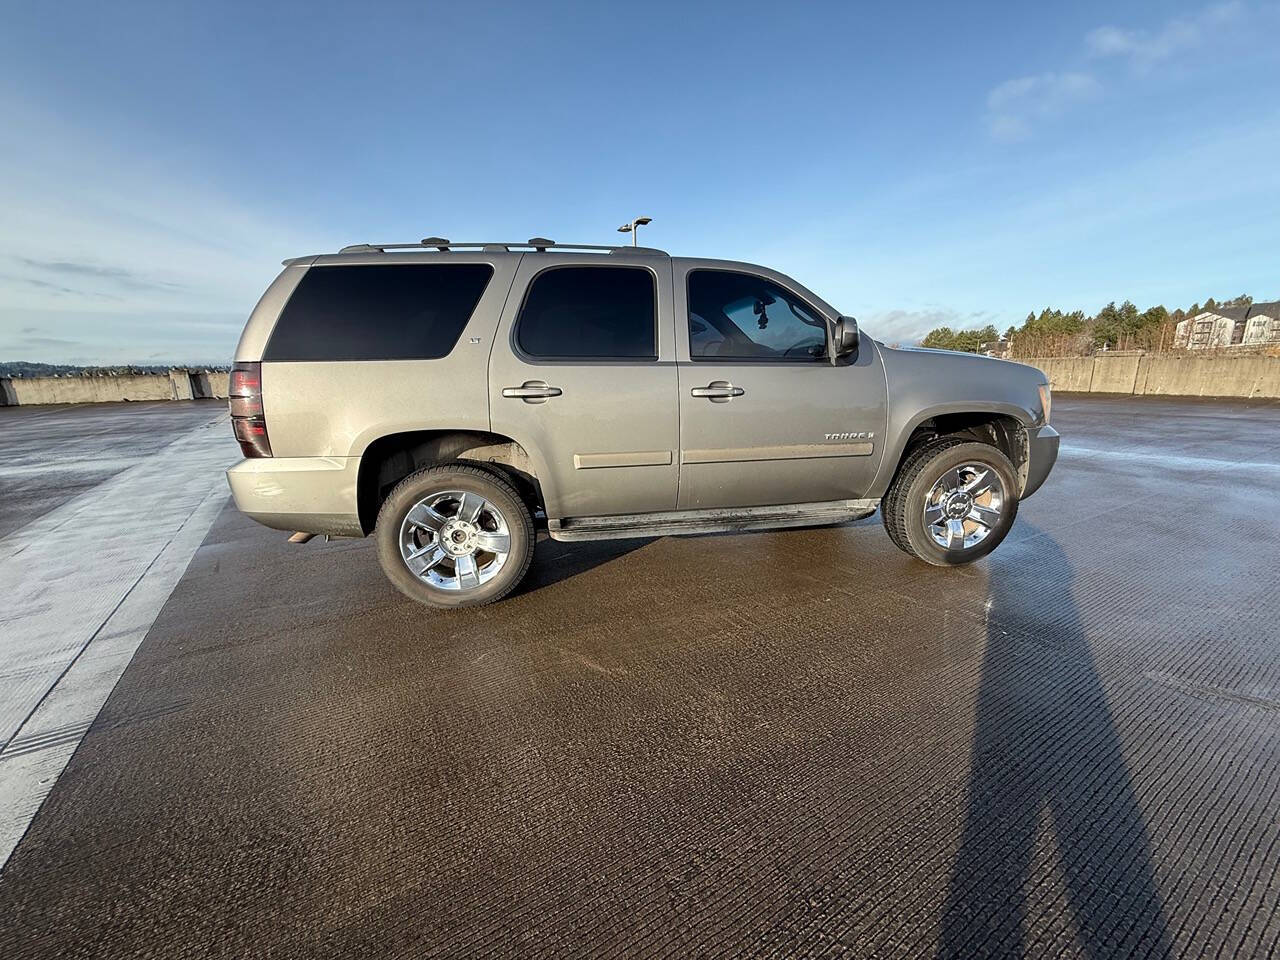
[(378, 312)]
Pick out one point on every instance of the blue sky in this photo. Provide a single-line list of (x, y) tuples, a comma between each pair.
[(914, 164)]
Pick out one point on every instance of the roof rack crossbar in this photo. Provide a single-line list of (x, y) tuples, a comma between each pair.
[(538, 244)]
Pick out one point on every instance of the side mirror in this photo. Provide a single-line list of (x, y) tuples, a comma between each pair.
[(845, 337)]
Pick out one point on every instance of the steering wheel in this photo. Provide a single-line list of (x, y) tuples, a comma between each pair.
[(808, 346)]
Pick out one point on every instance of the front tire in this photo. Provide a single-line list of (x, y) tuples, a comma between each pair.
[(454, 535), (952, 502)]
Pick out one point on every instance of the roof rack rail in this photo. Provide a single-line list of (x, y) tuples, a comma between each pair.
[(538, 244)]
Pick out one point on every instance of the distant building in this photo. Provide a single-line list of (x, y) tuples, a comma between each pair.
[(1263, 324), (1211, 328), (1252, 325), (994, 348)]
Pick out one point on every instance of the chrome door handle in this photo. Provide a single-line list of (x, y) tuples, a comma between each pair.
[(717, 391), (531, 391)]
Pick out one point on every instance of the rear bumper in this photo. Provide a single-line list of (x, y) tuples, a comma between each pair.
[(308, 494), (1042, 454)]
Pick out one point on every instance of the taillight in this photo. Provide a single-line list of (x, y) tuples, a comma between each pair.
[(247, 417)]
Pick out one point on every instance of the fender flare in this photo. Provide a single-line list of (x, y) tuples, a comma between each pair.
[(893, 452), (536, 462)]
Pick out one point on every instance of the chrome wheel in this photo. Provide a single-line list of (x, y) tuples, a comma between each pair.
[(964, 506), (454, 540)]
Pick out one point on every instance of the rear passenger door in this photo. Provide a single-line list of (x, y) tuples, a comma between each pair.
[(582, 375)]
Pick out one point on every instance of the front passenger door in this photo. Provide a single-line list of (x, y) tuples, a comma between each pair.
[(765, 417)]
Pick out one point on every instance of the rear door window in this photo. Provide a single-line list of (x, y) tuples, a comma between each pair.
[(604, 313), (402, 311)]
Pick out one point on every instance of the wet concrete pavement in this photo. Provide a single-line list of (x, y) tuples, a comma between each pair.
[(83, 583), (49, 454), (799, 743)]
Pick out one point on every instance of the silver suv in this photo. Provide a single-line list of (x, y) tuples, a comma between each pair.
[(445, 397)]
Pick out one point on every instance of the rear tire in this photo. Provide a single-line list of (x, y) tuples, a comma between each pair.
[(952, 502), (454, 535)]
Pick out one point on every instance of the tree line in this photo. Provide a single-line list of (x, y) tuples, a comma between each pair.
[(1111, 327)]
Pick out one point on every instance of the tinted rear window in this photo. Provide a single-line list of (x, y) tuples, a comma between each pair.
[(598, 312), (378, 312)]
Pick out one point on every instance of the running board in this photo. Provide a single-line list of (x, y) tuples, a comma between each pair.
[(682, 522)]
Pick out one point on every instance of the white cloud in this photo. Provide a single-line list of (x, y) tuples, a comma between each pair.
[(910, 326), (1144, 48), (111, 247), (1014, 107)]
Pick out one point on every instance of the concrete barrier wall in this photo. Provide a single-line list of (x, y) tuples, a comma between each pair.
[(1170, 375), (31, 390), (175, 385), (1114, 373), (181, 381), (1067, 373), (1214, 377)]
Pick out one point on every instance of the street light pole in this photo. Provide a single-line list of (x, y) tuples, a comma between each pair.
[(633, 227)]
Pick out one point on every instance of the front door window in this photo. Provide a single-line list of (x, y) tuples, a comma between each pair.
[(739, 316)]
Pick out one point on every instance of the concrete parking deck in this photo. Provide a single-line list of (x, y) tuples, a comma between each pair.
[(50, 454), (788, 744)]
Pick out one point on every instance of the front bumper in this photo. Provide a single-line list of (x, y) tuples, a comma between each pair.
[(1042, 454), (307, 494)]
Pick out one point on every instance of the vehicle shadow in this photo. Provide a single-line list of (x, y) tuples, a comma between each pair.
[(556, 560), (1051, 805)]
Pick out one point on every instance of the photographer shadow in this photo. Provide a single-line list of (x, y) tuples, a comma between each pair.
[(1051, 804)]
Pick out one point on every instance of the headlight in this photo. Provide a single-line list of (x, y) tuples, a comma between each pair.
[(1046, 400)]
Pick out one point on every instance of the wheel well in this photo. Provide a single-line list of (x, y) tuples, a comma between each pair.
[(1005, 433), (390, 459)]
